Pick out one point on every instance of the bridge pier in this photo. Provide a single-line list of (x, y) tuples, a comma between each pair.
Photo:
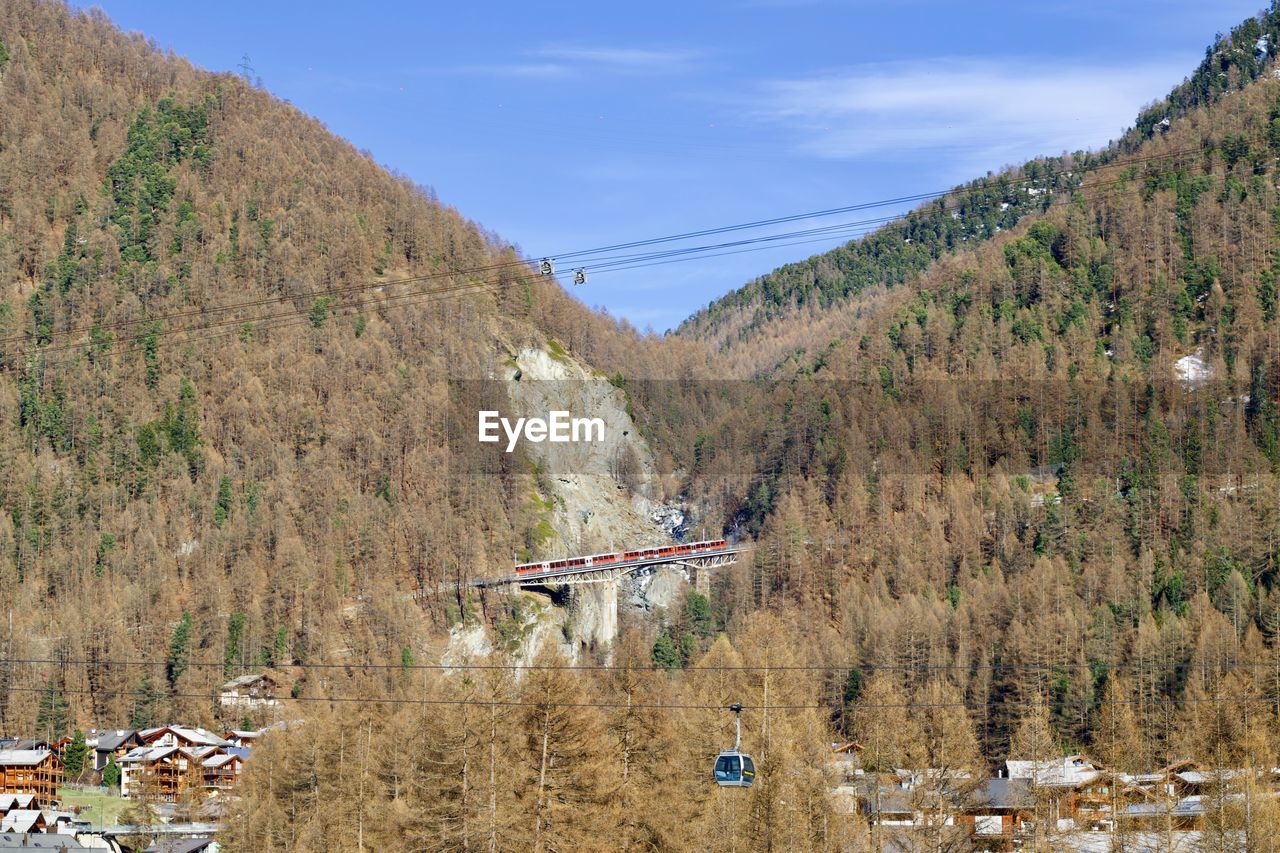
[(701, 580), (595, 601), (596, 612)]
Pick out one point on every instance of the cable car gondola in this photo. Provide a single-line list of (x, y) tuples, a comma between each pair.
[(580, 276), (733, 767), (546, 267)]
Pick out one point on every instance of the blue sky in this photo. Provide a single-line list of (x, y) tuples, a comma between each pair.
[(564, 126)]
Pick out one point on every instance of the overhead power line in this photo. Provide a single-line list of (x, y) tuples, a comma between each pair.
[(582, 257), (1012, 666), (663, 706), (836, 211)]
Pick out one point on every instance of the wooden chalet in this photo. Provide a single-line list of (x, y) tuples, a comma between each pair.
[(221, 772), (159, 773), (111, 743), (1076, 788), (31, 771), (249, 691), (24, 821), (999, 812), (188, 737)]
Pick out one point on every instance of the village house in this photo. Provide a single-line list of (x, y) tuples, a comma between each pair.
[(174, 759), (249, 691), (159, 773), (889, 805), (31, 771), (845, 762), (1059, 798), (908, 798), (242, 737), (111, 743), (1077, 790), (998, 812), (221, 772), (24, 821)]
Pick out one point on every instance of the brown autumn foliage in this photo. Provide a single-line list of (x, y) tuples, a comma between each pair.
[(277, 462), (984, 508)]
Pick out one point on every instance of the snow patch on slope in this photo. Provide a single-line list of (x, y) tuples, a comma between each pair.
[(1193, 369)]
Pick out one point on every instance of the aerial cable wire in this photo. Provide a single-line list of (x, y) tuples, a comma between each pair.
[(666, 706), (582, 257), (620, 263), (1020, 667)]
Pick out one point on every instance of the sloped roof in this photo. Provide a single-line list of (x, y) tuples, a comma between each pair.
[(147, 754), (111, 740), (191, 734), (220, 759), (8, 802), (890, 802), (31, 743), (1189, 807), (1205, 777), (21, 820), (1068, 772), (1004, 793), (247, 681), (24, 757)]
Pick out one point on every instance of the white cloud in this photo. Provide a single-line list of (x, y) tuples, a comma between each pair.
[(976, 111), (626, 59)]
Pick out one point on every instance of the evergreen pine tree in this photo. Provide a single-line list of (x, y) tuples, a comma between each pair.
[(235, 638), (111, 773), (73, 757), (51, 715), (146, 704), (176, 664), (665, 653)]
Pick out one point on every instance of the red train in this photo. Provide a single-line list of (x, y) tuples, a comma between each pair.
[(688, 549)]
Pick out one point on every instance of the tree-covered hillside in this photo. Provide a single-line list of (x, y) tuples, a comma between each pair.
[(223, 382), (1009, 467)]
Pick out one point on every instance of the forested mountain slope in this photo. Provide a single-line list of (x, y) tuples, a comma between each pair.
[(221, 419), (1045, 469), (1021, 503), (996, 509)]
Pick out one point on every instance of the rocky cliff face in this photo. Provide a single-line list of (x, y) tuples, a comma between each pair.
[(603, 498), (600, 498)]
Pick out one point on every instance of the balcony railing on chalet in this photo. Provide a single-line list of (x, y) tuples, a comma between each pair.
[(165, 781), (221, 780), (42, 780)]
